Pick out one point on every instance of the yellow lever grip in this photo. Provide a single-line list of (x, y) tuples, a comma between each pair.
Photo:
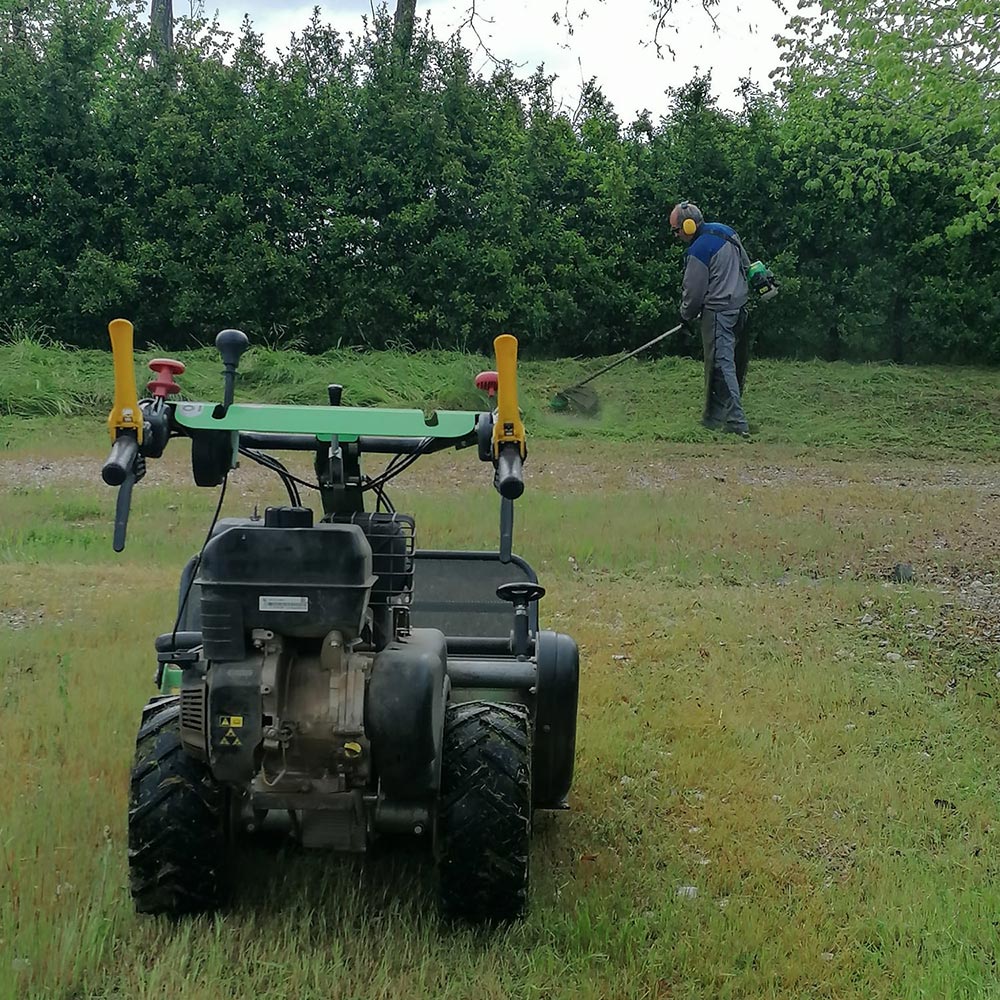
[(508, 427), (125, 415)]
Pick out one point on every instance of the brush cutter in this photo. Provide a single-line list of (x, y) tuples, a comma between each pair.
[(585, 400)]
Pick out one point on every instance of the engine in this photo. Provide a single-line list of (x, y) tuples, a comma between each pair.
[(314, 696)]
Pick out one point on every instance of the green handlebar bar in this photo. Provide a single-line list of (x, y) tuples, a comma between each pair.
[(347, 423)]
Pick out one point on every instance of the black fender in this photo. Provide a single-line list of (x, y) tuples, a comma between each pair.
[(558, 687)]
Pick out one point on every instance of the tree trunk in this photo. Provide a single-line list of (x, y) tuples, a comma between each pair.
[(898, 319), (161, 23), (833, 345), (403, 24)]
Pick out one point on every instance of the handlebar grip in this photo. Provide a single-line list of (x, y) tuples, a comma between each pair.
[(510, 473), (121, 460)]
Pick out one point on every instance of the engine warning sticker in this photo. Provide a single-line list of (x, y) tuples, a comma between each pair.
[(230, 723), (282, 603)]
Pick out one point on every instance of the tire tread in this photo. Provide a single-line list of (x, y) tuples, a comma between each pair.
[(176, 821), (485, 811)]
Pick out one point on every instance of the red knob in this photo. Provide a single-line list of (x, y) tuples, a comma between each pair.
[(164, 385), (487, 382)]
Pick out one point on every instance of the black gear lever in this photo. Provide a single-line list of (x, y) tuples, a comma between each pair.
[(230, 344), (520, 594)]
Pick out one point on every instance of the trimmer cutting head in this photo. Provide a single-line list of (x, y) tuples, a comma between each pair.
[(582, 399)]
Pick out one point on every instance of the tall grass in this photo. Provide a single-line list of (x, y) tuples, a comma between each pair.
[(911, 410)]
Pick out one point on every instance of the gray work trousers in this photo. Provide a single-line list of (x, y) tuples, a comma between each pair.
[(720, 332)]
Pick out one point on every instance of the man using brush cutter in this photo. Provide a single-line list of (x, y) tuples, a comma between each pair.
[(715, 286)]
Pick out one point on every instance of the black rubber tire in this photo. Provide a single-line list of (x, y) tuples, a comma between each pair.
[(485, 812), (176, 821)]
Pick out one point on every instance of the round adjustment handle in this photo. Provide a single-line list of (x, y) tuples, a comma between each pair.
[(231, 344), (488, 382), (164, 385), (520, 592)]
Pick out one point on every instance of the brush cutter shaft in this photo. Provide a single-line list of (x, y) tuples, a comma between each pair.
[(631, 354)]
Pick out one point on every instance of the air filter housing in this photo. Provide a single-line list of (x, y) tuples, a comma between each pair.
[(298, 582)]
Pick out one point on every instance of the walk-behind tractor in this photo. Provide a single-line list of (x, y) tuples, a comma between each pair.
[(324, 670)]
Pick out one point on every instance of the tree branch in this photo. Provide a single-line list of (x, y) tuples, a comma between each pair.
[(471, 16)]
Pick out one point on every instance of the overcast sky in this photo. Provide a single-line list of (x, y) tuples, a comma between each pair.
[(607, 43)]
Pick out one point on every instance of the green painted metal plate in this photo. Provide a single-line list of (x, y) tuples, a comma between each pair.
[(345, 422)]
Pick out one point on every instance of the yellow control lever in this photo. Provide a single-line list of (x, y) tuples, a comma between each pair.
[(508, 428), (125, 415)]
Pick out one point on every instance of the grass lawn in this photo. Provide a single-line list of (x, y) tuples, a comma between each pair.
[(785, 778)]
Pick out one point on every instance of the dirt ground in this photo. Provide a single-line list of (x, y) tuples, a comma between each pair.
[(960, 498)]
